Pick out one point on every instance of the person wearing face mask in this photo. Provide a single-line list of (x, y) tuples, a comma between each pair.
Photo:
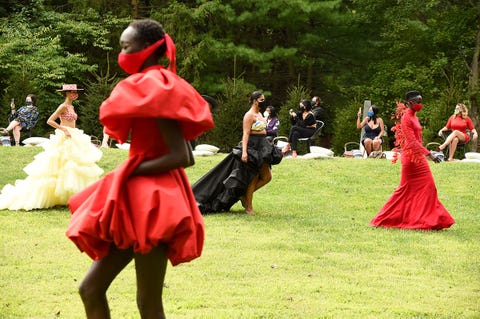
[(25, 118), (317, 109), (458, 123), (273, 123), (414, 204), (372, 139), (303, 125), (144, 210), (245, 170), (66, 166)]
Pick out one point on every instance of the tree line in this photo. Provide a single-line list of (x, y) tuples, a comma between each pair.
[(343, 51)]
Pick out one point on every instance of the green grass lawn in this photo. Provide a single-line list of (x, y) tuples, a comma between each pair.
[(309, 251)]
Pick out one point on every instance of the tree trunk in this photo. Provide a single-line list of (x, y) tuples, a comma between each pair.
[(474, 88), (135, 9)]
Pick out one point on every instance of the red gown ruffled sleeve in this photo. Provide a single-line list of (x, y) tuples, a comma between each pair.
[(141, 212), (411, 143), (408, 135), (155, 93)]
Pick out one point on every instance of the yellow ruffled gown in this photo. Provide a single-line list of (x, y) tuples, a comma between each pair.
[(66, 166)]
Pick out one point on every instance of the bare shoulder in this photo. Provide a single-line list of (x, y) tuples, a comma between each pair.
[(249, 116), (62, 107)]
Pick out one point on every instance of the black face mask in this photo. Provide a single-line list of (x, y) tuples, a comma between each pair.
[(28, 103)]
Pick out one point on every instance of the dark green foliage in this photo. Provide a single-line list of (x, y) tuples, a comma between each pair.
[(97, 90), (343, 51), (234, 103)]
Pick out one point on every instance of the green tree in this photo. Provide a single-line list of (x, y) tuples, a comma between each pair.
[(41, 49)]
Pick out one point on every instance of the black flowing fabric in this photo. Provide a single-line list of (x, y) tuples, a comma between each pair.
[(224, 184)]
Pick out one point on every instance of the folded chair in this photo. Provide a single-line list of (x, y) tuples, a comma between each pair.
[(311, 140)]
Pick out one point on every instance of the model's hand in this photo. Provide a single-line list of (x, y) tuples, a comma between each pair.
[(435, 158), (244, 157), (67, 132), (440, 133)]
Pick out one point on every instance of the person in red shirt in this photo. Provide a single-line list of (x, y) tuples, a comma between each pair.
[(458, 123)]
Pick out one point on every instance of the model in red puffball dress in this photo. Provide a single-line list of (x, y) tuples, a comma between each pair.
[(143, 211)]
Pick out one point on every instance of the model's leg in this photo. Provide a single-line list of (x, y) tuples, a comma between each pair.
[(367, 143), (151, 269), (264, 176), (16, 134), (93, 288), (249, 195)]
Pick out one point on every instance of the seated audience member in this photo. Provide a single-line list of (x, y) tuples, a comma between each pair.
[(24, 118), (304, 125), (372, 139), (317, 109), (458, 123), (273, 123)]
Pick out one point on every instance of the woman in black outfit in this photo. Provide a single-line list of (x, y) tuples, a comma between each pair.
[(304, 125)]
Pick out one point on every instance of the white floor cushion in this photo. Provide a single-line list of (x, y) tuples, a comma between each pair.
[(314, 156), (207, 147), (34, 141), (472, 155), (321, 150), (202, 153)]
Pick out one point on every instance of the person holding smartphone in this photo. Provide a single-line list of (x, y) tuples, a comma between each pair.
[(23, 119)]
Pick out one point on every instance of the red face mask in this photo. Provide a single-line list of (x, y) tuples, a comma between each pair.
[(417, 106), (132, 62)]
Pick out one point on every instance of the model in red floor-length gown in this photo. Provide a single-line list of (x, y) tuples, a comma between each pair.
[(144, 211), (414, 204)]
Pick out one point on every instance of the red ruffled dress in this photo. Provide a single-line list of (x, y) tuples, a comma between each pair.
[(143, 211), (414, 204)]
